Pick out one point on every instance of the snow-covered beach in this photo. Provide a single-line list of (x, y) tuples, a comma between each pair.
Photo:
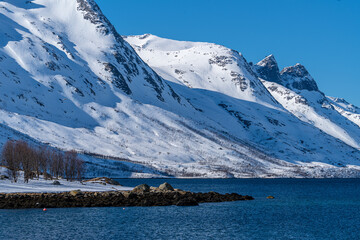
[(47, 186)]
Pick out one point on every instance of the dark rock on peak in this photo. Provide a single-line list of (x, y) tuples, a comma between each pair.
[(93, 13), (298, 78), (268, 69), (297, 70), (341, 100)]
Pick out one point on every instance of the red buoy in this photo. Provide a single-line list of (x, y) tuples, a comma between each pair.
[(44, 209)]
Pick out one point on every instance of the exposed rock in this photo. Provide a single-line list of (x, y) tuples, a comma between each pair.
[(268, 69), (3, 177), (187, 202), (141, 188), (77, 198), (154, 189), (75, 192), (297, 77), (166, 187), (56, 183), (104, 180)]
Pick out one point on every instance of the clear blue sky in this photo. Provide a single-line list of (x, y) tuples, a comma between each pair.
[(323, 35)]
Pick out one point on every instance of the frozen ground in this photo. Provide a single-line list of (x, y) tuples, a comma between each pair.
[(46, 186)]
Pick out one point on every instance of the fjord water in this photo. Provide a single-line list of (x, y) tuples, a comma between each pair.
[(302, 209)]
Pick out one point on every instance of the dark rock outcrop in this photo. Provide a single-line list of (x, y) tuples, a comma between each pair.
[(3, 177), (141, 188), (56, 183), (298, 78), (166, 187), (268, 69), (78, 198), (187, 202), (104, 180)]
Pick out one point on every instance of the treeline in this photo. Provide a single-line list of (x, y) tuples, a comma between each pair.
[(35, 161)]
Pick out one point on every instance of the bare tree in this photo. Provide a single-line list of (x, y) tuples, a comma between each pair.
[(24, 154), (19, 155), (56, 164), (70, 162), (43, 156), (80, 169), (9, 160)]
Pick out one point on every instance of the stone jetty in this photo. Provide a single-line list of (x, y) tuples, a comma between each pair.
[(142, 195)]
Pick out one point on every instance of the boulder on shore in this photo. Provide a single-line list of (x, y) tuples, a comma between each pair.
[(75, 192), (3, 177), (104, 181), (141, 188), (56, 183), (166, 187)]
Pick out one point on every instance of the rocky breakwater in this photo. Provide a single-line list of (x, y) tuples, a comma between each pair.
[(142, 195)]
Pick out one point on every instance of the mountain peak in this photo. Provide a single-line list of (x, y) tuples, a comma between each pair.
[(269, 60), (297, 77), (268, 69), (297, 70)]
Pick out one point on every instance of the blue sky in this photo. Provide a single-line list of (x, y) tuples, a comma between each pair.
[(323, 35)]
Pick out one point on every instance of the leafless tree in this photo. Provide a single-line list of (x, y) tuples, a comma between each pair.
[(80, 169), (43, 155), (56, 164), (19, 155), (9, 160), (25, 155), (70, 162)]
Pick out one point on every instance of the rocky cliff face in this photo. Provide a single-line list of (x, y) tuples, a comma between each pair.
[(298, 92), (298, 78), (268, 69)]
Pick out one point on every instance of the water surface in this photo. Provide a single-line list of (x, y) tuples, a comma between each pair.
[(302, 209)]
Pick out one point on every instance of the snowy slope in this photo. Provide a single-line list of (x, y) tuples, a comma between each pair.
[(346, 109), (202, 65), (69, 80), (204, 74), (298, 92)]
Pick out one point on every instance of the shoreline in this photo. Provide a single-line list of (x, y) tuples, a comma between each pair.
[(133, 198)]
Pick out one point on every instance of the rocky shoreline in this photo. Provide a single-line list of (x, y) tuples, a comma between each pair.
[(141, 195)]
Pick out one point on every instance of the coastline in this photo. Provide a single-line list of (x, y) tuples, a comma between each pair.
[(113, 199)]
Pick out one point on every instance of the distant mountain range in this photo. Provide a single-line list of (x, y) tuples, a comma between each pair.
[(148, 106)]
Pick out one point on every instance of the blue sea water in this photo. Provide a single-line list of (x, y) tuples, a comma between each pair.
[(302, 209)]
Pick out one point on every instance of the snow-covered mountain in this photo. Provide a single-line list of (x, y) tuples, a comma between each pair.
[(267, 124), (168, 108), (298, 92)]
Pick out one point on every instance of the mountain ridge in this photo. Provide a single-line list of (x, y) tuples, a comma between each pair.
[(171, 108)]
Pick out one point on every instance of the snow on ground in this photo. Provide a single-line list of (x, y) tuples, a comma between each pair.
[(46, 186)]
